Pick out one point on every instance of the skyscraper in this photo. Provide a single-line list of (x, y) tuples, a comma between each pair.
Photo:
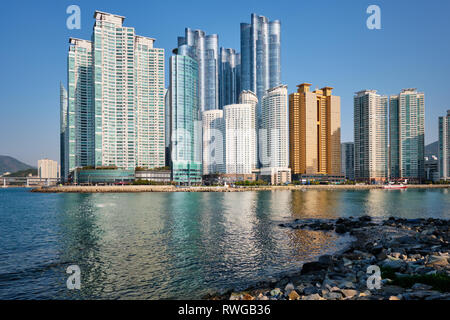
[(229, 77), (371, 136), (62, 130), (115, 114), (274, 134), (260, 55), (240, 138), (444, 147), (314, 132), (205, 50), (80, 110), (348, 160), (186, 131), (213, 142), (407, 128)]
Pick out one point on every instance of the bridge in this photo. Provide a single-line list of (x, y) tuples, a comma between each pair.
[(28, 181)]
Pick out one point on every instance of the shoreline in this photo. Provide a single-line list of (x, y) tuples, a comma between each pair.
[(170, 188), (413, 256)]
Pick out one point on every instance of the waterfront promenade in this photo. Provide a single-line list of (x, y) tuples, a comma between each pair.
[(170, 188)]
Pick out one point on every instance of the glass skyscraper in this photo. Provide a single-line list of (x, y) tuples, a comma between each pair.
[(115, 112), (186, 126), (229, 77), (205, 50), (80, 96), (260, 56), (444, 146), (407, 128), (371, 136), (62, 129)]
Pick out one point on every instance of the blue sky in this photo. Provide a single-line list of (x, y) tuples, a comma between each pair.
[(325, 43)]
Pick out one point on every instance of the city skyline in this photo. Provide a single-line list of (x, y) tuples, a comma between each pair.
[(45, 101)]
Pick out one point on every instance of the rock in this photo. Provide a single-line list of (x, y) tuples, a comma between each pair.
[(275, 292), (349, 293), (382, 255), (437, 261), (235, 296), (326, 259), (310, 290), (393, 264), (313, 266), (365, 218), (341, 229), (333, 296), (248, 297), (289, 287), (293, 295), (406, 240), (421, 286), (347, 285), (347, 262), (313, 297)]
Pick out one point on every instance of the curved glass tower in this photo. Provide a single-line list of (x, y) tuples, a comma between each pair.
[(260, 56), (205, 50), (185, 118), (229, 77)]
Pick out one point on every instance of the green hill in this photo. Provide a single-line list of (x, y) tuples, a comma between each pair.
[(24, 173), (9, 164)]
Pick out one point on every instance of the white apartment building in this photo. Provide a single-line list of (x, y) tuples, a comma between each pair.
[(213, 142), (240, 138), (371, 136), (48, 169), (274, 132)]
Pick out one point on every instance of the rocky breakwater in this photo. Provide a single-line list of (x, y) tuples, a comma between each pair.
[(411, 255)]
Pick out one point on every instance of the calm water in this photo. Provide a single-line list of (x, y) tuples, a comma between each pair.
[(175, 245)]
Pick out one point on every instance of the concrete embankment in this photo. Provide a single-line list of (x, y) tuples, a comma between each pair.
[(163, 188)]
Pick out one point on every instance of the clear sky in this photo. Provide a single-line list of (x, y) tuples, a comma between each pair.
[(325, 43)]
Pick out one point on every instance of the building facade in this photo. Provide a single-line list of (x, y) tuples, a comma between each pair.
[(406, 137), (213, 142), (274, 133), (205, 50), (240, 138), (186, 137), (48, 169), (115, 114), (63, 104), (371, 136), (229, 77), (444, 147), (260, 56), (314, 132), (80, 144), (348, 160)]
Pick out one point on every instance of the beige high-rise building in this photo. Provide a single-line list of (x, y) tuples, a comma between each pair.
[(48, 169), (314, 131)]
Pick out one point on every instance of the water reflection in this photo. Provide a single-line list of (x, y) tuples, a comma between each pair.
[(175, 245)]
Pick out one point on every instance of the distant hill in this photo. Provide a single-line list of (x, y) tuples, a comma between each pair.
[(24, 173), (9, 164), (432, 149)]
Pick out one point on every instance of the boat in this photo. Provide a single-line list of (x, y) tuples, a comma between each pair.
[(394, 186)]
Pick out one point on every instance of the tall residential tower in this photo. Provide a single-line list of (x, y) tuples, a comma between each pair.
[(444, 146), (407, 129), (260, 56), (314, 132), (371, 136), (205, 50)]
